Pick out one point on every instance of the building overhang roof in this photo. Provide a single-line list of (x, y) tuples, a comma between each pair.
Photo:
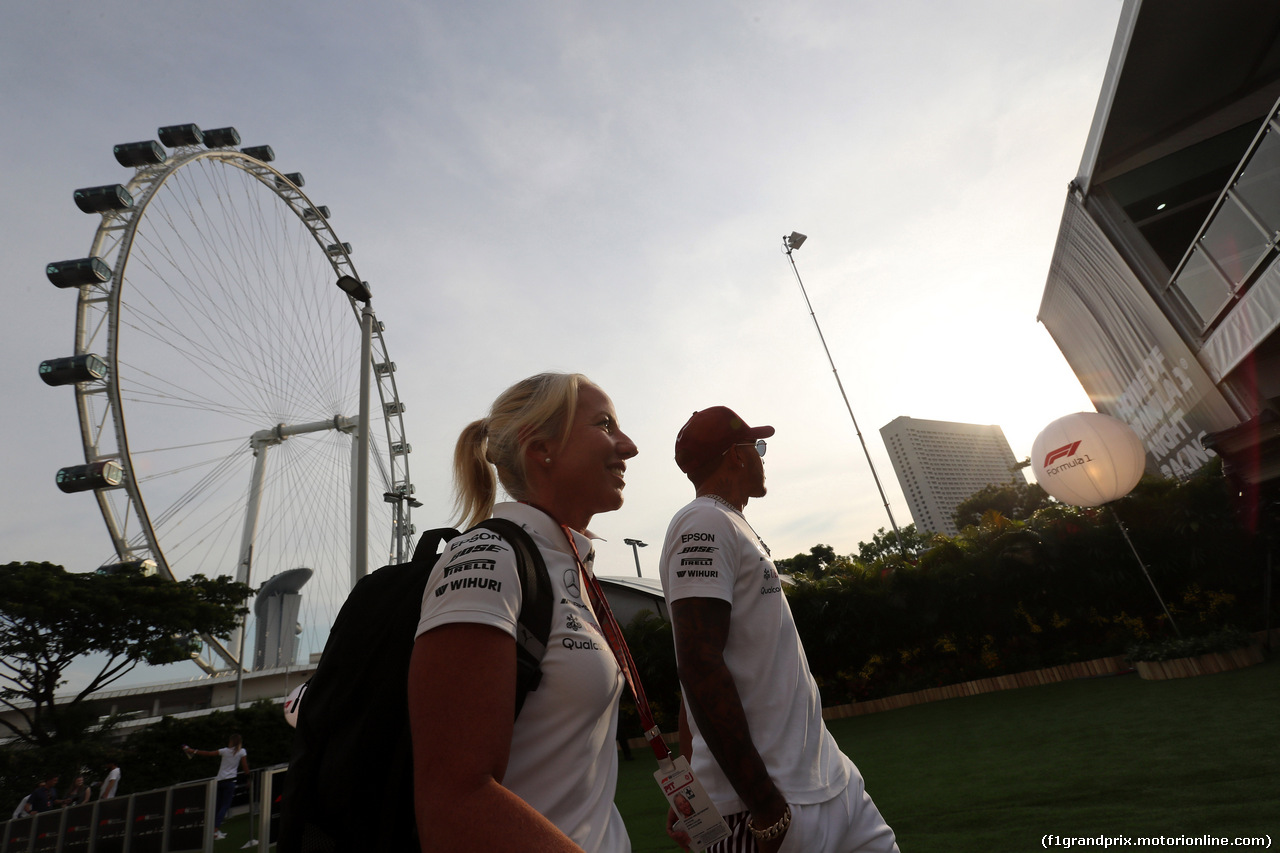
[(1181, 71)]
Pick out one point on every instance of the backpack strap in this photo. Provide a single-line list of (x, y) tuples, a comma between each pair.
[(427, 550), (534, 625)]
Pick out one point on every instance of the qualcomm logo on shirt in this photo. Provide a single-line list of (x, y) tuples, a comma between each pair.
[(573, 623)]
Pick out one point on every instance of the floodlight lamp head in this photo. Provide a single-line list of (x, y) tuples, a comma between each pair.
[(794, 240), (355, 288), (636, 542)]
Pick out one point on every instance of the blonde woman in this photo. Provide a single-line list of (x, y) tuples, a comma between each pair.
[(485, 779)]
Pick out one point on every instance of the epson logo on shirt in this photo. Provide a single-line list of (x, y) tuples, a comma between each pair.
[(697, 537), (476, 537)]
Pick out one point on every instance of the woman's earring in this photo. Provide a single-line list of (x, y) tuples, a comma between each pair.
[(547, 461)]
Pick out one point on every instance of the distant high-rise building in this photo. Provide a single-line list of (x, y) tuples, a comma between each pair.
[(941, 463)]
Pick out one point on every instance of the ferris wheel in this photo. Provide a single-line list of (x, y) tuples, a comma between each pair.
[(218, 378)]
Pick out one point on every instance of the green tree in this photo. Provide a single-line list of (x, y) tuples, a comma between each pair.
[(813, 564), (50, 618), (885, 544), (652, 645), (1018, 501)]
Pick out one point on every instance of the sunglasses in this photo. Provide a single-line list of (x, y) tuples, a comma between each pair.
[(759, 446)]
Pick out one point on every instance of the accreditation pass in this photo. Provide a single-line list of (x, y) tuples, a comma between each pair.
[(697, 815)]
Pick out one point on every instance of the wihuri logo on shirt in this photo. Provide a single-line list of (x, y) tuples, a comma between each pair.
[(469, 583)]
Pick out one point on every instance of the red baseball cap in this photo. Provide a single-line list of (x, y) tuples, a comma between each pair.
[(709, 433)]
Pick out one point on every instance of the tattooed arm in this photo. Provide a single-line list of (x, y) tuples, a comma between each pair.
[(711, 696)]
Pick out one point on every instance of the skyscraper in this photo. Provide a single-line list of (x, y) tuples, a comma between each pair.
[(941, 463)]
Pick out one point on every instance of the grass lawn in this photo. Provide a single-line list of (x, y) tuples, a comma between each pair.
[(1111, 756)]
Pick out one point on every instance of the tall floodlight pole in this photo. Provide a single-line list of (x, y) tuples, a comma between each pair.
[(359, 291), (636, 545), (790, 243)]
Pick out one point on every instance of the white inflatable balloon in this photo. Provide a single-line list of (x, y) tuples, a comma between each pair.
[(1088, 459)]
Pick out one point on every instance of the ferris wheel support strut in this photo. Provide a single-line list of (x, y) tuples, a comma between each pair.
[(260, 442), (360, 565)]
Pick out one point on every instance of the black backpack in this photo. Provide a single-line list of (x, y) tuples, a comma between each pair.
[(350, 780)]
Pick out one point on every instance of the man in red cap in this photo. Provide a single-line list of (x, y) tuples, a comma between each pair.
[(753, 732)]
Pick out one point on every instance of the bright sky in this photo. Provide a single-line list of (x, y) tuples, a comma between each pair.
[(601, 188)]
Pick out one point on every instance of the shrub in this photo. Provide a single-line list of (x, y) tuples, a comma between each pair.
[(1174, 648)]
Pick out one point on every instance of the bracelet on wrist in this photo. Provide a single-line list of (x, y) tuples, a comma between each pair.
[(771, 832)]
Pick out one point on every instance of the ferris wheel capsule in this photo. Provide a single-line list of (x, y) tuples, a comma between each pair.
[(78, 272), (221, 137), (138, 154), (178, 135), (103, 199), (259, 152), (95, 475), (86, 367), (146, 567)]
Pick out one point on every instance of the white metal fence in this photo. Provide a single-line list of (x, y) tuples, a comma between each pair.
[(169, 820)]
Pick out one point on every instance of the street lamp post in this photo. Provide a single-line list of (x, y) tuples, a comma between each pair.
[(790, 243), (636, 545), (359, 291)]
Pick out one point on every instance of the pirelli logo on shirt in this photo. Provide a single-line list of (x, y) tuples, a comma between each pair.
[(470, 565), (468, 573)]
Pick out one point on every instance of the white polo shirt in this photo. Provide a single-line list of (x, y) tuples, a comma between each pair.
[(564, 759)]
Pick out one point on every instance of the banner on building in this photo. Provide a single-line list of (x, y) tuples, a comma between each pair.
[(1125, 352)]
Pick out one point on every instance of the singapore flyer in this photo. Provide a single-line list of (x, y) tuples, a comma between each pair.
[(217, 372)]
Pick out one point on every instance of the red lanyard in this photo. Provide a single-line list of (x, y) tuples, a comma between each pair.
[(618, 643)]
